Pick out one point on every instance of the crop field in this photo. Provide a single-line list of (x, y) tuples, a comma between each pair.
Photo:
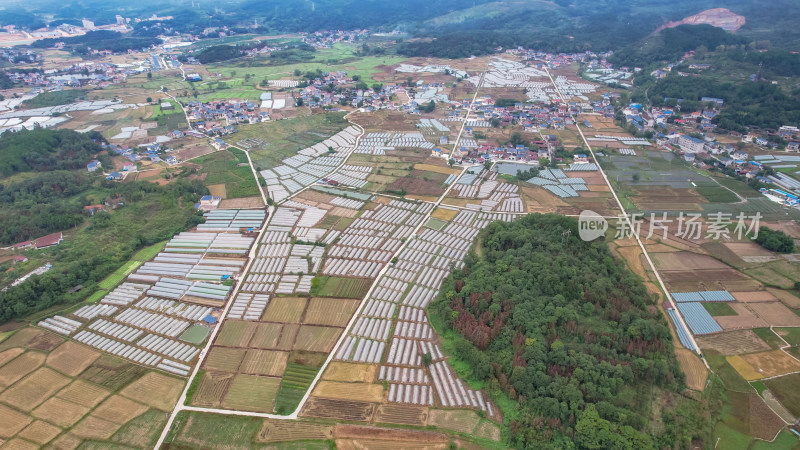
[(325, 408), (341, 287), (785, 389), (719, 309), (118, 275), (776, 314), (266, 335), (335, 312), (685, 261), (264, 362), (212, 389), (733, 342), (252, 393), (462, 421), (295, 382), (316, 339), (223, 167), (694, 369), (68, 394), (223, 358), (195, 334), (288, 335), (291, 430), (790, 335), (285, 309), (236, 333), (786, 297), (365, 392), (742, 316), (755, 366), (754, 296), (402, 414), (342, 371)]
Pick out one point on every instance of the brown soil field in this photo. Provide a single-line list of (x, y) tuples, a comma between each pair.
[(702, 275), (252, 393), (316, 339), (733, 342), (685, 261), (776, 314), (789, 227), (416, 184), (488, 430), (344, 212), (540, 199), (694, 369), (83, 393), (344, 431), (32, 338), (769, 364), (93, 427), (740, 285), (786, 297), (364, 392), (342, 371), (288, 337), (193, 150), (119, 409), (34, 389), (754, 296), (292, 430), (313, 196), (325, 408), (236, 333), (748, 249), (401, 414), (217, 190), (225, 359), (66, 441), (335, 312), (13, 421), (212, 389), (463, 421), (266, 335), (242, 203), (285, 309), (19, 367), (264, 362), (155, 389), (40, 432), (152, 173), (71, 358), (19, 444), (10, 354), (60, 412), (660, 248), (764, 423), (391, 444), (744, 319)]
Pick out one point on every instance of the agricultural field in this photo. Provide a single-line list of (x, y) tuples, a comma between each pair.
[(61, 393), (227, 169), (330, 286)]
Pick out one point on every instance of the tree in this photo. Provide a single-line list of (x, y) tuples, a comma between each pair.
[(427, 359), (544, 161), (299, 102), (149, 99), (487, 165), (451, 162), (149, 75)]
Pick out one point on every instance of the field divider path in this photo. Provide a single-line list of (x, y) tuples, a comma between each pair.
[(255, 175), (469, 111), (628, 220)]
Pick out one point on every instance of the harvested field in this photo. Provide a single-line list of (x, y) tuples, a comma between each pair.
[(438, 169), (71, 358), (112, 373), (212, 389), (419, 183), (444, 214), (10, 354), (786, 297), (764, 423), (236, 333), (463, 421), (324, 408), (744, 318), (488, 430), (242, 203), (776, 314), (343, 287), (765, 364), (343, 431), (785, 390), (266, 335), (22, 338), (66, 441), (13, 421), (288, 336), (342, 371), (292, 430), (93, 427), (364, 392), (264, 362), (142, 431), (316, 339), (217, 190), (401, 414), (285, 309), (119, 409), (225, 359), (740, 285), (754, 296), (335, 312), (60, 412), (34, 389), (694, 369), (40, 432), (19, 367), (540, 200), (83, 393), (685, 261), (252, 393), (701, 275), (155, 389), (733, 342), (748, 249)]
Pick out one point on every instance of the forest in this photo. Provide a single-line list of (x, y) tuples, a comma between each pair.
[(42, 150), (55, 98), (565, 330)]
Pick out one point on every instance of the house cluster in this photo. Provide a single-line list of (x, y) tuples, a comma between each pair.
[(50, 240), (91, 74), (536, 116), (219, 117), (336, 89), (326, 39), (19, 56), (154, 152), (532, 153)]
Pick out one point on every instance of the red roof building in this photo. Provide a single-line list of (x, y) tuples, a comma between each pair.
[(49, 240)]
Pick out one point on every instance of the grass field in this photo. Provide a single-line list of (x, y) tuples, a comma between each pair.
[(116, 277), (340, 287), (717, 194), (785, 390), (223, 167), (296, 380), (719, 309), (769, 337), (252, 393), (790, 335)]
